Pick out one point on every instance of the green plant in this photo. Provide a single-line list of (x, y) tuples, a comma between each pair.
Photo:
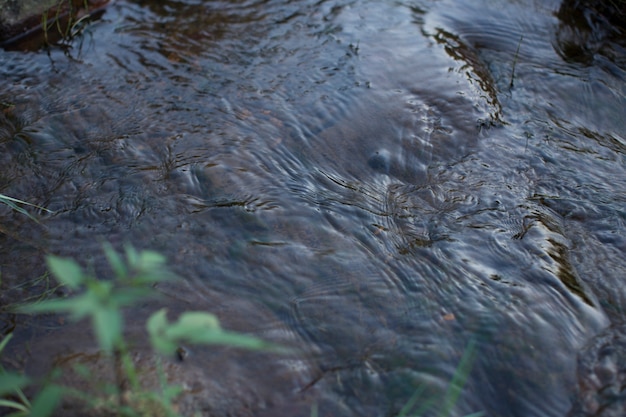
[(197, 327), (102, 301), (135, 276), (12, 383), (452, 394), (12, 396)]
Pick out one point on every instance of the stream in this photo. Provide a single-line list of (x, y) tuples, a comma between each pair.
[(379, 184)]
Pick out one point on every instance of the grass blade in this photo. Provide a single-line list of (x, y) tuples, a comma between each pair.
[(458, 380), (14, 405), (13, 203)]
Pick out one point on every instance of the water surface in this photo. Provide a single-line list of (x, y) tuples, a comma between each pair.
[(377, 183)]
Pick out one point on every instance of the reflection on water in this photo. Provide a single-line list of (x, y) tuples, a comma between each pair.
[(376, 183)]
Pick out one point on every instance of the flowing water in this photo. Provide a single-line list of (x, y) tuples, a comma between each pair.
[(377, 183)]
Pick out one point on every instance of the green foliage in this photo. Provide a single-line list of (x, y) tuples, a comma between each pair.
[(195, 327), (12, 396), (46, 401), (103, 301), (12, 383)]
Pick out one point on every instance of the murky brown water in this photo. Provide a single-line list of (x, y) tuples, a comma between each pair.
[(377, 183)]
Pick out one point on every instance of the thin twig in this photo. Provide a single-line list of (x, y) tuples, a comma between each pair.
[(515, 61)]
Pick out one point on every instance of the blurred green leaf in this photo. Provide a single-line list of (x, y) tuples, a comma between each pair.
[(115, 261), (170, 392), (131, 256), (150, 268), (11, 381), (23, 410), (157, 326), (67, 271), (230, 339), (192, 322), (197, 328), (107, 324), (151, 277), (100, 290), (149, 260), (46, 401), (79, 306), (5, 341), (129, 296), (103, 300)]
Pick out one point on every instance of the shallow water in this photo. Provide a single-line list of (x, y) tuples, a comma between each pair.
[(378, 183)]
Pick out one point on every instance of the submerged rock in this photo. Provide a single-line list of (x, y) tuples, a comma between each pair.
[(380, 161), (602, 376)]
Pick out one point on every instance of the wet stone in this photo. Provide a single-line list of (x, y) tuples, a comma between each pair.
[(602, 376), (380, 161)]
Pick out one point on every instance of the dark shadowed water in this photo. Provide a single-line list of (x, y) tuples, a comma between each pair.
[(378, 183)]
